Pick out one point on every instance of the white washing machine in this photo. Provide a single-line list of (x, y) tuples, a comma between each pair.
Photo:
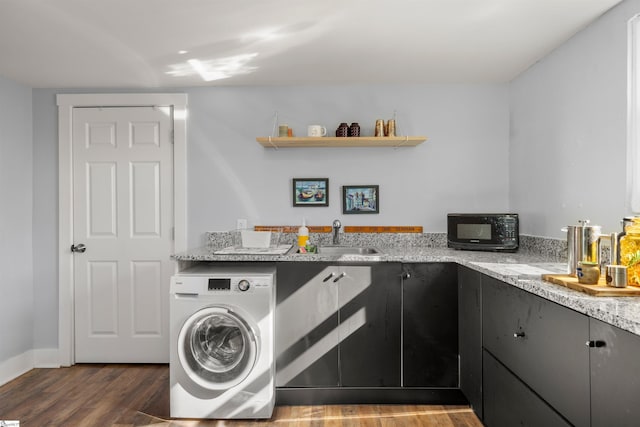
[(222, 342)]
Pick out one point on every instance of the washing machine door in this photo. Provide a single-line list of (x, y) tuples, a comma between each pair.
[(218, 347)]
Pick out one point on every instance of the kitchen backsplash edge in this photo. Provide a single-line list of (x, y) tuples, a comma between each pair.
[(553, 248)]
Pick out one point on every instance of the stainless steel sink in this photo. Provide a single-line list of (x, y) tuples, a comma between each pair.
[(348, 250)]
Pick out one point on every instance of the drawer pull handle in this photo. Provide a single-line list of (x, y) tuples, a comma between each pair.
[(329, 277), (518, 335), (406, 275), (596, 343), (339, 277)]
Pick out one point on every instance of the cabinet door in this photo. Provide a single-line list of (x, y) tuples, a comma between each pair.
[(369, 299), (542, 343), (510, 403), (430, 325), (306, 325), (470, 336), (615, 376)]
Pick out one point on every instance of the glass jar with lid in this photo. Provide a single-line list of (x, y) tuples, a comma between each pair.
[(630, 250)]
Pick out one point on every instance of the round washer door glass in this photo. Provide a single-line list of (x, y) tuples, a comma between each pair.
[(217, 347)]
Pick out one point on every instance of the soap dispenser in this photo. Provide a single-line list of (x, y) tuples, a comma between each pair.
[(303, 234)]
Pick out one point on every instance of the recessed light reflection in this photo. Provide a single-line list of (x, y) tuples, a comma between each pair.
[(214, 69), (182, 52), (207, 73)]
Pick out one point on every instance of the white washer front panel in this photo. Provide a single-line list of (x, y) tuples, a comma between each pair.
[(222, 361)]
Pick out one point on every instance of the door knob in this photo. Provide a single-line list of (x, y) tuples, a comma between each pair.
[(78, 248)]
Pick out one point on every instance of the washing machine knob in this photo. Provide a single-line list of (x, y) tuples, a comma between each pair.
[(243, 285)]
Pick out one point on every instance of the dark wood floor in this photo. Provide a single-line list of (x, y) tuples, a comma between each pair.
[(138, 395)]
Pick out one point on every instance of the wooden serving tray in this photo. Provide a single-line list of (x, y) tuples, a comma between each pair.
[(599, 290)]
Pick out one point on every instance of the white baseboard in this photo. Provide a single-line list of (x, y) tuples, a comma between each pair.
[(16, 366), (46, 358)]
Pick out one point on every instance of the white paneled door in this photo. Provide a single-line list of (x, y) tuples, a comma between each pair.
[(123, 215)]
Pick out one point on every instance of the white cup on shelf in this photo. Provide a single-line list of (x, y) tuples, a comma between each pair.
[(316, 130)]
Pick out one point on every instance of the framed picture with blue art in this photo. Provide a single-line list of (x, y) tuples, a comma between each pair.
[(310, 192), (360, 199)]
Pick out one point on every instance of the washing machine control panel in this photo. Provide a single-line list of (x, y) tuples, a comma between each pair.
[(210, 284), (236, 284)]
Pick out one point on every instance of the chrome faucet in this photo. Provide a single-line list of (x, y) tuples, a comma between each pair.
[(336, 229)]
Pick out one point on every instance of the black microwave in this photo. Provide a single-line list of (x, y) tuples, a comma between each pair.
[(483, 232)]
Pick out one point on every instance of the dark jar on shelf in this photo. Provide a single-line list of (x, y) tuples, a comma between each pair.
[(343, 130), (354, 129)]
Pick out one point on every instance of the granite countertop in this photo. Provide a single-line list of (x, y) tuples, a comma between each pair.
[(522, 269)]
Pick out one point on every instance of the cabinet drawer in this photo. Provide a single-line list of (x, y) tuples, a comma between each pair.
[(542, 343), (508, 402)]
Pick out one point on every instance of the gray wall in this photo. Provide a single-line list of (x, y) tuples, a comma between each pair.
[(568, 131), (45, 220), (460, 167), (16, 194)]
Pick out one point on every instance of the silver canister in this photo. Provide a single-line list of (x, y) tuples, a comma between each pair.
[(616, 276), (583, 244)]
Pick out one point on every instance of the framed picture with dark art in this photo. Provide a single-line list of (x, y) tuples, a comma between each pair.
[(360, 199), (310, 192)]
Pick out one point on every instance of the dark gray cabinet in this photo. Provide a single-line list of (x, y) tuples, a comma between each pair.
[(542, 343), (615, 376), (338, 325), (511, 403), (470, 336), (396, 333), (370, 327), (306, 324), (430, 325)]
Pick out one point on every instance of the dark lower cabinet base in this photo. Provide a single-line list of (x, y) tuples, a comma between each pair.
[(387, 395)]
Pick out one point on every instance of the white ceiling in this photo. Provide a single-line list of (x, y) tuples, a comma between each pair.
[(138, 43)]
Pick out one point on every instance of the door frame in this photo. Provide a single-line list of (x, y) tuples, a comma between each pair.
[(66, 103)]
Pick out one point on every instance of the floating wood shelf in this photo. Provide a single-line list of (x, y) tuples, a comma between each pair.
[(325, 141)]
